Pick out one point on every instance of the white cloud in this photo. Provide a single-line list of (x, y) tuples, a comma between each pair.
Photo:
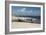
[(23, 9)]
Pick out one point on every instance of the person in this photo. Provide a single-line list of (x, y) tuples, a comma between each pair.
[(31, 21)]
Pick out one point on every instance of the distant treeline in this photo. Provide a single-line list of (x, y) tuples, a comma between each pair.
[(38, 17)]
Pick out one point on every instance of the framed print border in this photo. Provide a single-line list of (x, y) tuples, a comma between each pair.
[(7, 16), (25, 29)]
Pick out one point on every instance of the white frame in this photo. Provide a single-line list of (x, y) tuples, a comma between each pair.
[(27, 29)]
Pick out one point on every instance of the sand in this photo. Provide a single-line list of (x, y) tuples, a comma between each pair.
[(25, 25)]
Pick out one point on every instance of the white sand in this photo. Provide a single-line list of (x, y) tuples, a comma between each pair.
[(25, 25)]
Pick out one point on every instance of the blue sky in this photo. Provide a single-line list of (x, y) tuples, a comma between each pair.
[(27, 11)]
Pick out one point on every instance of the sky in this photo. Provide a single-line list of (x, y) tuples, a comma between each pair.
[(26, 11)]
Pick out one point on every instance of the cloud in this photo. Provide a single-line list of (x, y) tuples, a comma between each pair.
[(23, 9)]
